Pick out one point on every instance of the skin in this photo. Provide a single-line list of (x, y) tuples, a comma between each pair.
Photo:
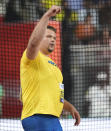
[(44, 40), (48, 43)]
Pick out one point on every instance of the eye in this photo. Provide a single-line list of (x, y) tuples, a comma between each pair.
[(54, 38), (50, 36)]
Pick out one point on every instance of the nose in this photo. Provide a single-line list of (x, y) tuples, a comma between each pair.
[(52, 39)]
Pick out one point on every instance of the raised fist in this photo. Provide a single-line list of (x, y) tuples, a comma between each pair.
[(53, 11)]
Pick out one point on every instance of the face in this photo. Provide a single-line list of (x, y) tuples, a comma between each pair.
[(48, 42)]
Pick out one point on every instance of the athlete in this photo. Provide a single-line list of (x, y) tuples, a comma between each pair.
[(42, 90)]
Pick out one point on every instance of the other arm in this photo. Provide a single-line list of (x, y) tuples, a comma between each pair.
[(70, 108)]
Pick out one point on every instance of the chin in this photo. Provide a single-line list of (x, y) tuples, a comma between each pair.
[(50, 50)]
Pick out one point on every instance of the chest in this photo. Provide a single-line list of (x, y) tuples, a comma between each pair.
[(48, 69)]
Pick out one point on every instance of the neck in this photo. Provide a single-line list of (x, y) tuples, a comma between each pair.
[(45, 53)]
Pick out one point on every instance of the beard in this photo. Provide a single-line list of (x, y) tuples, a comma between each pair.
[(50, 50)]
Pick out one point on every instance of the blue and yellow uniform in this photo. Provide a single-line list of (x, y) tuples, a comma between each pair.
[(42, 88)]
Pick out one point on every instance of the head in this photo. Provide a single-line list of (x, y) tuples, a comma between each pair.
[(88, 18), (49, 41), (102, 78)]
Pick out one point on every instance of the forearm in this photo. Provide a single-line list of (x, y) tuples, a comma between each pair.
[(39, 31), (67, 106), (70, 108)]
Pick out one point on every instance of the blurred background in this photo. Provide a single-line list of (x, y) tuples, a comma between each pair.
[(83, 53)]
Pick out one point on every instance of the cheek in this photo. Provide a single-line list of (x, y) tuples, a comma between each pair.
[(45, 42)]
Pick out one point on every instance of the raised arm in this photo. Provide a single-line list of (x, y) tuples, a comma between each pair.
[(39, 31)]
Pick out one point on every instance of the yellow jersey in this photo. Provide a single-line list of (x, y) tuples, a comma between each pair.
[(41, 84)]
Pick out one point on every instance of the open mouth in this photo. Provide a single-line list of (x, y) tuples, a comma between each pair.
[(51, 45)]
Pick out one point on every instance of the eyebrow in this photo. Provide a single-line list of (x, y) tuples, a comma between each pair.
[(51, 36)]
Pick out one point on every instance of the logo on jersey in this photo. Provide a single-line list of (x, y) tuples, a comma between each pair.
[(61, 92), (51, 62)]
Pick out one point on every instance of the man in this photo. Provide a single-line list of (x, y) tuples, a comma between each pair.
[(42, 91)]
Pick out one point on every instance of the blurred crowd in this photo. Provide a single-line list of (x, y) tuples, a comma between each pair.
[(88, 21)]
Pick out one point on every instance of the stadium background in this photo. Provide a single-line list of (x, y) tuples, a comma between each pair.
[(82, 52)]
